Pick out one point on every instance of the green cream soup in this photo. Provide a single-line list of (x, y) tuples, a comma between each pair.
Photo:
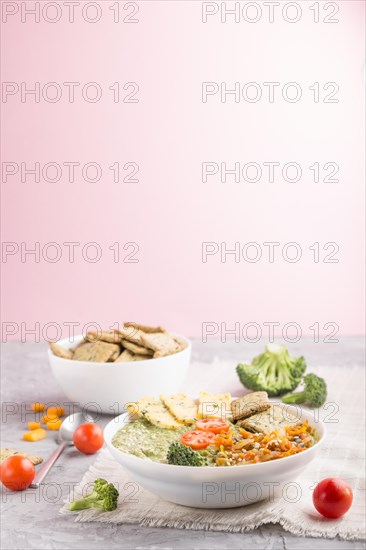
[(140, 438)]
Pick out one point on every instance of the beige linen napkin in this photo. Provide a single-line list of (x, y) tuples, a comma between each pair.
[(342, 455)]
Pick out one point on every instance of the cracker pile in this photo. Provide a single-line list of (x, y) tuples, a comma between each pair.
[(132, 342), (6, 453)]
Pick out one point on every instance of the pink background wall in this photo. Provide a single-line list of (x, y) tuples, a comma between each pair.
[(169, 133)]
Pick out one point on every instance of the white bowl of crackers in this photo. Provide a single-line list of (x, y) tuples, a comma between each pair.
[(107, 369)]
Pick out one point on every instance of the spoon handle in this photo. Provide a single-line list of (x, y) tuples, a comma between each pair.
[(41, 474)]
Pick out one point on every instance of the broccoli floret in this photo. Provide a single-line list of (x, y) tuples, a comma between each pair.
[(181, 455), (103, 496), (274, 371), (314, 393)]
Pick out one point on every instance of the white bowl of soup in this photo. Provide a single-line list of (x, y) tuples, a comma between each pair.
[(206, 486)]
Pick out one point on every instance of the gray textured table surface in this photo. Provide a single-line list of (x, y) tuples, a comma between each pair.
[(31, 519)]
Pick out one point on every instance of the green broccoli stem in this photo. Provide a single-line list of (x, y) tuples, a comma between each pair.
[(292, 398), (89, 501), (83, 504)]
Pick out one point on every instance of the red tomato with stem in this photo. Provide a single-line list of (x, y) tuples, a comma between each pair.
[(17, 472), (332, 497), (197, 439), (215, 425), (88, 438)]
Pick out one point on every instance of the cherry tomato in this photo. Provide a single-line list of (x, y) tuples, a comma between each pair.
[(332, 497), (215, 425), (197, 439), (17, 472), (88, 438)]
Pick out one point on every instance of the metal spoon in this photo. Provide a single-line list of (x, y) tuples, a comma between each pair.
[(66, 432)]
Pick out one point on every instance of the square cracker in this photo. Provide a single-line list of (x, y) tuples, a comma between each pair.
[(250, 404), (61, 352), (144, 328), (273, 419), (98, 351), (162, 343), (5, 453), (132, 334), (155, 412), (127, 356), (81, 343), (181, 406), (214, 405), (182, 343), (135, 348), (109, 336)]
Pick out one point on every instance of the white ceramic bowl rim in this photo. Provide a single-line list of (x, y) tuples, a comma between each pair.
[(66, 344), (160, 465)]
